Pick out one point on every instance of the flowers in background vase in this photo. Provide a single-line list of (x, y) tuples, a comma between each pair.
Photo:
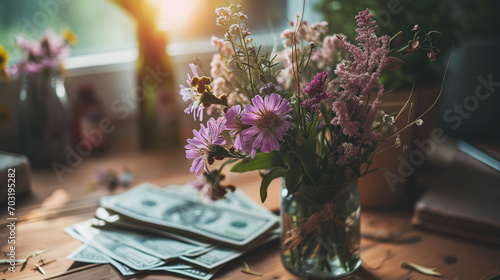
[(45, 54), (308, 113)]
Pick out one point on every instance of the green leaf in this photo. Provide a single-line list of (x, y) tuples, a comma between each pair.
[(307, 152), (260, 161), (294, 174), (373, 170), (276, 172)]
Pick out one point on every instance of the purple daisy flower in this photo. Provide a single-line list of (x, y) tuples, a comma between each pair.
[(204, 144), (191, 94), (267, 120)]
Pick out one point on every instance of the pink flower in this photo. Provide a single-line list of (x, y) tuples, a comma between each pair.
[(347, 153), (268, 122), (316, 90), (54, 45), (25, 43), (218, 68), (48, 53), (203, 145), (359, 78), (222, 45), (289, 38)]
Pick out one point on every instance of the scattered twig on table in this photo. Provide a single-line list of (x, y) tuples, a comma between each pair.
[(40, 269), (34, 254), (248, 271), (421, 269)]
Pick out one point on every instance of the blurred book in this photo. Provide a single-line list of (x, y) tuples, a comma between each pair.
[(15, 174), (463, 201)]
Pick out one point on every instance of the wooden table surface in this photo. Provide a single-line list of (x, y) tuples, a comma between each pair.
[(388, 239)]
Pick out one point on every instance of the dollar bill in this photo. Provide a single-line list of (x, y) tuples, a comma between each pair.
[(221, 255), (182, 268), (87, 254), (96, 254), (116, 249), (214, 258), (234, 200), (180, 212), (159, 246), (113, 221)]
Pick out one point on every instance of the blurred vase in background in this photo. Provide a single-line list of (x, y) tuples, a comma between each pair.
[(44, 112), (44, 118)]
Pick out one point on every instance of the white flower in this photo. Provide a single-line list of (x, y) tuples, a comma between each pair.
[(398, 141)]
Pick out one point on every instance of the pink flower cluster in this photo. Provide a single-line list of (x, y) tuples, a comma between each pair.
[(360, 80), (324, 48), (326, 56), (347, 152), (316, 90), (311, 33), (223, 46), (44, 54)]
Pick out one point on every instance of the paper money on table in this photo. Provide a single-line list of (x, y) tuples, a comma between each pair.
[(116, 249), (180, 267), (86, 253), (159, 246), (182, 213), (89, 252), (114, 221), (221, 255), (233, 200)]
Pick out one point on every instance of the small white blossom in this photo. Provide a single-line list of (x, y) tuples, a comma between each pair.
[(347, 146), (234, 30), (419, 122), (398, 141), (388, 119)]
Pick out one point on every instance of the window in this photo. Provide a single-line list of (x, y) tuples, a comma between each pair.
[(103, 26)]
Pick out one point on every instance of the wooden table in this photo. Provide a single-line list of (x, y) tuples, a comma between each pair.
[(388, 239)]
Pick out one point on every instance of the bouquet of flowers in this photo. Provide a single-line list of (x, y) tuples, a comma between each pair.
[(315, 113), (45, 54), (308, 114)]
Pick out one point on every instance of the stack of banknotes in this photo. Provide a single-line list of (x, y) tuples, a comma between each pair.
[(171, 229)]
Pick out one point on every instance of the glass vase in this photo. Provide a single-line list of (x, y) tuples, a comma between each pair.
[(44, 118), (321, 230)]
